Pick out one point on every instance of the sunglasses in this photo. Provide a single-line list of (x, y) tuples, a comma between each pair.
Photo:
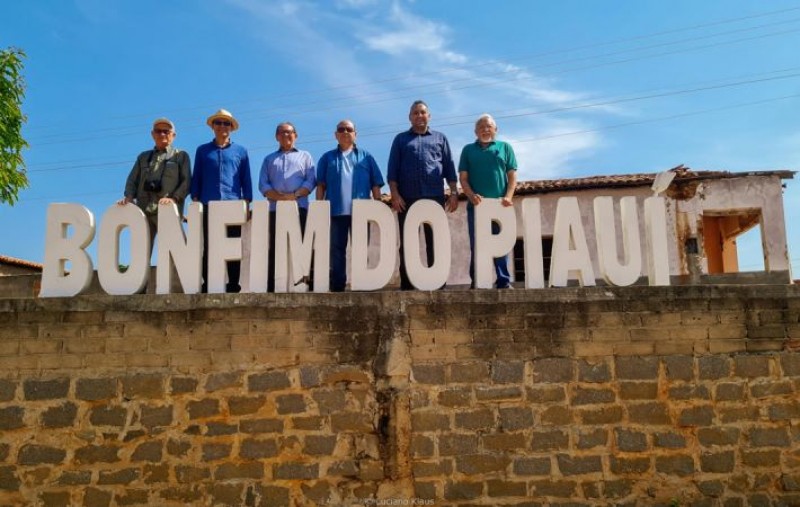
[(165, 132), (222, 123), (285, 132), (342, 130)]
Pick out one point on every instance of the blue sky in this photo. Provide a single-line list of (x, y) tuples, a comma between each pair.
[(579, 87)]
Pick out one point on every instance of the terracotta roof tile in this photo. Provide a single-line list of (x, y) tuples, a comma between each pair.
[(12, 261)]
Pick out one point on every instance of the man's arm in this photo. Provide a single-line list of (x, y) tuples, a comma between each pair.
[(449, 173), (184, 177), (131, 184), (510, 187), (197, 178), (310, 180), (245, 180)]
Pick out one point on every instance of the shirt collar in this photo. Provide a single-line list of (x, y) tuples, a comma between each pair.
[(413, 132), (354, 149), (479, 145)]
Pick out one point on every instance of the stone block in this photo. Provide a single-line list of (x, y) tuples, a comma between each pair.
[(590, 439), (532, 466), (7, 389), (433, 374), (245, 405), (32, 454), (697, 416), (583, 396), (12, 418), (269, 381), (503, 441), (93, 497), (186, 495), (155, 474), (224, 380), (123, 477), (476, 464), (143, 386), (96, 389), (253, 426), (679, 465), (769, 437), (199, 409), (462, 490), (473, 372), (154, 416), (736, 414), (455, 397), (729, 391), (354, 421), (714, 489), (225, 493), (553, 370), (295, 471), (556, 416), (311, 423), (291, 404), (55, 498), (183, 385), (790, 364), (713, 367), (215, 451), (508, 372), (151, 451), (430, 421), (636, 368), (9, 481), (606, 415), (457, 444), (768, 388), (92, 454), (178, 448), (638, 390), (481, 419), (319, 445), (630, 440), (618, 489), (652, 413), (625, 466), (751, 366), (761, 458), (217, 428), (556, 488), (717, 462), (578, 465), (421, 446), (545, 394), (549, 440), (133, 497), (785, 411), (37, 390), (498, 393), (75, 478), (330, 401), (187, 474), (501, 488), (669, 440), (234, 471), (515, 418), (594, 371), (689, 392)]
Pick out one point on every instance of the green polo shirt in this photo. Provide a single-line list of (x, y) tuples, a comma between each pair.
[(487, 167)]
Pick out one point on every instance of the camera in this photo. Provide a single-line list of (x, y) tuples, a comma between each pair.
[(152, 186)]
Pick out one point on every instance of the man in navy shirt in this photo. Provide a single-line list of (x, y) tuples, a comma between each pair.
[(419, 161), (221, 173)]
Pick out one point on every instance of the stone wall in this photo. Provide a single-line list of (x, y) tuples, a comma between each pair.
[(579, 397)]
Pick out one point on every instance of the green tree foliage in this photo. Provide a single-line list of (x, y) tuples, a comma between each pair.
[(12, 91)]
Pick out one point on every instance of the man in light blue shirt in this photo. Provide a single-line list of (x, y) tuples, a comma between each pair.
[(343, 174), (287, 174)]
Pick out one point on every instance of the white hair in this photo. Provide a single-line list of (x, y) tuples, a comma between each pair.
[(485, 117)]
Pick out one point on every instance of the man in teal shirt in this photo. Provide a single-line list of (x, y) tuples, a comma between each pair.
[(487, 169)]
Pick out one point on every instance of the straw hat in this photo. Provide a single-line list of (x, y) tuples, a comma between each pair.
[(223, 114)]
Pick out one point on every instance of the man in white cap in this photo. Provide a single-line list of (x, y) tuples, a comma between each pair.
[(159, 176), (221, 173)]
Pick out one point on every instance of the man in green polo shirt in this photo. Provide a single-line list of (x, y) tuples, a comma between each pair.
[(487, 169)]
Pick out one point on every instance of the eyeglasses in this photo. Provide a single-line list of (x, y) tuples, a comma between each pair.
[(164, 132), (342, 130), (285, 132), (222, 123)]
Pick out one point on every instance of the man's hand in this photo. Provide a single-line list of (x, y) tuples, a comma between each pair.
[(507, 202), (398, 204), (166, 200), (452, 203), (475, 199), (124, 201)]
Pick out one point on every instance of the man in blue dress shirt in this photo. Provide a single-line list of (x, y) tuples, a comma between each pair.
[(419, 161), (344, 174), (287, 174), (221, 173)]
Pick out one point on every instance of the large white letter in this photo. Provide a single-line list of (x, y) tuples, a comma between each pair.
[(184, 251), (361, 276), (570, 251), (60, 249), (612, 271), (655, 226), (221, 248), (433, 277), (532, 232), (293, 249), (258, 260), (133, 279), (488, 245)]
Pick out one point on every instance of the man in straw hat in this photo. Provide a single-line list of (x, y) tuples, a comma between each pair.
[(159, 176), (221, 173)]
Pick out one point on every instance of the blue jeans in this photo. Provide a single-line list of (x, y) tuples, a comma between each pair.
[(340, 230), (500, 263)]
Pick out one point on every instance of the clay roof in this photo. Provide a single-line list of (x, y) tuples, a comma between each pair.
[(682, 173), (12, 261)]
